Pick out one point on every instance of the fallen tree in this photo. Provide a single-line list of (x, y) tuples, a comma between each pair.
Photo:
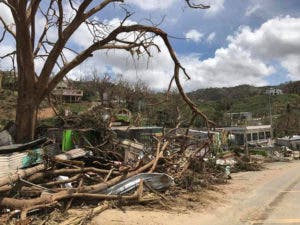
[(79, 192)]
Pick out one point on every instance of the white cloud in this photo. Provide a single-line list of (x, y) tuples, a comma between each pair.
[(211, 37), (277, 39), (216, 6), (7, 45), (194, 35), (155, 71), (152, 4), (83, 38), (252, 9), (248, 55), (6, 14), (229, 67), (292, 63), (246, 59), (6, 63)]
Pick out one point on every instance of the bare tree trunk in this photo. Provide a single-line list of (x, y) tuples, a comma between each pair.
[(33, 88), (25, 118), (27, 103)]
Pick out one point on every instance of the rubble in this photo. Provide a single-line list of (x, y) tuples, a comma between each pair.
[(92, 164)]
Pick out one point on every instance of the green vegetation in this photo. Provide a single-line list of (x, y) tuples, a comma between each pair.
[(77, 107), (259, 105), (285, 108), (259, 152), (145, 110)]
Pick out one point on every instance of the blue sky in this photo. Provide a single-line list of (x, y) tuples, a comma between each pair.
[(234, 42), (209, 31)]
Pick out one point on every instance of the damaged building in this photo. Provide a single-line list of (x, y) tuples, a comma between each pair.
[(252, 135), (66, 93)]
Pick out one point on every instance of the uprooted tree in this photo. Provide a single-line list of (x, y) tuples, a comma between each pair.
[(33, 43)]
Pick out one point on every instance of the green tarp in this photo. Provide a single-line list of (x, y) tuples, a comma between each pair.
[(67, 143)]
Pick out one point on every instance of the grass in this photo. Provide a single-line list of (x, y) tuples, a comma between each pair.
[(259, 152), (78, 107)]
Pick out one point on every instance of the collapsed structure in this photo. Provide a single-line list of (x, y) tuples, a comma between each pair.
[(251, 135)]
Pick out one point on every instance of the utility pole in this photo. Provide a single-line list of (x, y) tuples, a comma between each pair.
[(270, 110), (246, 140)]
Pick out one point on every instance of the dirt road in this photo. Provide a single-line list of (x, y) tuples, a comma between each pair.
[(271, 196)]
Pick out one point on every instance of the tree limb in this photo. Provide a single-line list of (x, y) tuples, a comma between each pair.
[(196, 6), (10, 4), (45, 30), (60, 43), (60, 18), (31, 13), (99, 7), (7, 27), (8, 54), (3, 35)]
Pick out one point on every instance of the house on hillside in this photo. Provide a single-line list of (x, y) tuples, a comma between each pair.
[(66, 93), (274, 91)]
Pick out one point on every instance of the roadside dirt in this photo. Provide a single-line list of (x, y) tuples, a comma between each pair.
[(206, 206), (46, 113)]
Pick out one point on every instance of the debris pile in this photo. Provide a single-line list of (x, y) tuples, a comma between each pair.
[(86, 161)]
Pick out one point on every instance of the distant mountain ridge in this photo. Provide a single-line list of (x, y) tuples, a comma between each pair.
[(241, 91)]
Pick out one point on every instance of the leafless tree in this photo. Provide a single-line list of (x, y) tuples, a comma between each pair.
[(32, 44)]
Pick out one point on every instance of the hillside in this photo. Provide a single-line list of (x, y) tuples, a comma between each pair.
[(260, 105), (217, 94), (241, 91), (214, 102), (285, 108)]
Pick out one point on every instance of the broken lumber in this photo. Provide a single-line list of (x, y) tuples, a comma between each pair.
[(80, 192), (21, 174)]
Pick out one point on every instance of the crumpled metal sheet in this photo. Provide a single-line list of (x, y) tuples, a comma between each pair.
[(158, 181)]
